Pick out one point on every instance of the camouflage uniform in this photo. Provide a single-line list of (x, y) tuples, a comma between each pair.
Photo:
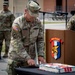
[(6, 19), (23, 38), (24, 35), (71, 23)]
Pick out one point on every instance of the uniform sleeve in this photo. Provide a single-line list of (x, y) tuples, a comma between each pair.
[(17, 50), (40, 41), (12, 18), (71, 23)]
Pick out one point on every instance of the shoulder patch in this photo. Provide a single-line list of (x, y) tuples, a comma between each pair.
[(15, 28)]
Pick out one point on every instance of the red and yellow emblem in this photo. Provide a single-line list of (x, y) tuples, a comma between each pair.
[(56, 47)]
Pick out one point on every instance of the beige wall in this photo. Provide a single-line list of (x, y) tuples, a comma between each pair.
[(1, 4), (11, 5), (19, 5)]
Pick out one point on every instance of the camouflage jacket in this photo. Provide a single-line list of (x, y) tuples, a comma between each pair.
[(71, 23), (6, 20), (23, 37)]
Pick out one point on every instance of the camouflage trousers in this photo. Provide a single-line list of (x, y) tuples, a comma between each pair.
[(5, 35), (15, 64)]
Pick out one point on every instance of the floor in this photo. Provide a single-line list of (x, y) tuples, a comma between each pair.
[(3, 66)]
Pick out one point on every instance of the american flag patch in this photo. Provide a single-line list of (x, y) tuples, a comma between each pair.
[(15, 28)]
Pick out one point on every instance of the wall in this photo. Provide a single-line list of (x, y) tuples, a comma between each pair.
[(1, 4), (49, 5), (19, 6), (70, 5)]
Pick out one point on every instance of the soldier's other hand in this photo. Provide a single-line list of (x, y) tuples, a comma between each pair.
[(31, 62), (41, 60)]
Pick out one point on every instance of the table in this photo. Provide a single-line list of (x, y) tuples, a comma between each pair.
[(37, 71)]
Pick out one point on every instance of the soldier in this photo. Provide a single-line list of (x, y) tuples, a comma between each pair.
[(71, 23), (6, 20), (27, 36)]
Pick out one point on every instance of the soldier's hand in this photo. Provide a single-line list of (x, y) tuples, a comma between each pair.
[(41, 60), (30, 62)]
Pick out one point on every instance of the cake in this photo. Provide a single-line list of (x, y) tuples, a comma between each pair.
[(57, 67)]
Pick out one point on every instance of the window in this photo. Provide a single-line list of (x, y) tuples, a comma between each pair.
[(58, 5)]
